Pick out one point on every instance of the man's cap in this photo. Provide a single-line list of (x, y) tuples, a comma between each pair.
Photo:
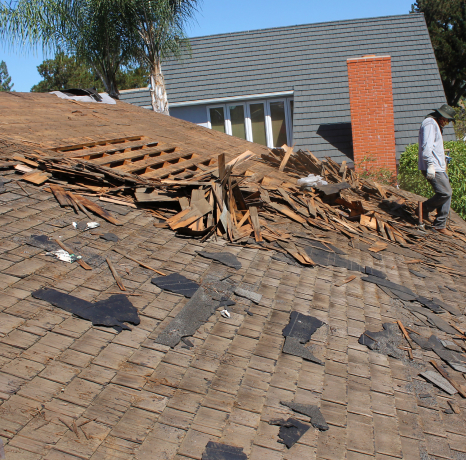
[(446, 112)]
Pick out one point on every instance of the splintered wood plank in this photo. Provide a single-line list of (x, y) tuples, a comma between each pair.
[(183, 182), (247, 155), (26, 161), (131, 155), (255, 223), (155, 196), (286, 156), (188, 216), (221, 166), (37, 178), (288, 212), (243, 219), (122, 203), (298, 253), (69, 251), (389, 231), (117, 277), (151, 162), (138, 262), (311, 205), (60, 195), (184, 203), (368, 221), (347, 280), (287, 198), (196, 196), (96, 209), (343, 167)]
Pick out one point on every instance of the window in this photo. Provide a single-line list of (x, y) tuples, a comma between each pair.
[(267, 122), (237, 121), (278, 120), (258, 132), (217, 119)]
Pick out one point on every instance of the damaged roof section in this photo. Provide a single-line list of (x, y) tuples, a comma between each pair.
[(265, 328)]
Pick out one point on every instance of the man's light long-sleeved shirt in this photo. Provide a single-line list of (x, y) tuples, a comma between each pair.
[(431, 146)]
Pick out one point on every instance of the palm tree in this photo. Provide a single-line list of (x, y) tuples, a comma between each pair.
[(89, 29), (158, 31), (105, 33)]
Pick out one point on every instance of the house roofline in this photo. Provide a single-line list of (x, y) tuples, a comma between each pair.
[(316, 24)]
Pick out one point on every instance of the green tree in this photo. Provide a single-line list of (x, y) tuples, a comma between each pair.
[(5, 79), (106, 34), (89, 29), (64, 72), (446, 21)]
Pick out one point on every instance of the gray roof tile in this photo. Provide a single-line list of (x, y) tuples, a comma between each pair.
[(311, 59)]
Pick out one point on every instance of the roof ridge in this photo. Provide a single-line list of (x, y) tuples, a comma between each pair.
[(315, 24)]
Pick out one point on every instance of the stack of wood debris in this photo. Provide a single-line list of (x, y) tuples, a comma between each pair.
[(204, 198)]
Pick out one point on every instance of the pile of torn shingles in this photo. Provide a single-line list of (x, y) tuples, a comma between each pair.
[(205, 198)]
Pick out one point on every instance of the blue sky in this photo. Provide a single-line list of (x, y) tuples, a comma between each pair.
[(220, 16)]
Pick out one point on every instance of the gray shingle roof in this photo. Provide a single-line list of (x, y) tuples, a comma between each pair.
[(311, 60)]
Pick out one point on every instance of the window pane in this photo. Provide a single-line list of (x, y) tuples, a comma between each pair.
[(217, 119), (277, 114), (258, 123), (237, 121)]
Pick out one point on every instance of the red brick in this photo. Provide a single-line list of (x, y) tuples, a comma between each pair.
[(372, 119)]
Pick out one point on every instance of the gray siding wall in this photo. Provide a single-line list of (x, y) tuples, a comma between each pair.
[(193, 113), (311, 61)]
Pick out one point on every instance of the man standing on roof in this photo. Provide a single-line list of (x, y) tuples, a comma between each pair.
[(433, 165)]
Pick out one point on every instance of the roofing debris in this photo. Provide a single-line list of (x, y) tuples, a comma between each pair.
[(247, 201), (202, 196), (299, 331), (113, 312), (291, 430), (218, 451), (176, 283), (225, 258), (313, 412), (195, 313)]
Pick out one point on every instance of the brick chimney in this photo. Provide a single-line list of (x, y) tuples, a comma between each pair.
[(372, 118)]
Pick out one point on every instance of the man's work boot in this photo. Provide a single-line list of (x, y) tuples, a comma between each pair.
[(443, 231)]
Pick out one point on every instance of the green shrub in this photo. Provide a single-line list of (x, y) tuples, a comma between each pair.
[(460, 123), (411, 179)]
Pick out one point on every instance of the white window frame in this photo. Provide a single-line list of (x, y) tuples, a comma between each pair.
[(247, 118), (288, 124), (216, 106)]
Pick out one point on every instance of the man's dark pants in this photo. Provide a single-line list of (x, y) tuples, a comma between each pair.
[(441, 200)]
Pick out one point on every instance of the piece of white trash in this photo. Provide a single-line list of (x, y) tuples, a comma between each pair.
[(225, 313), (311, 181), (63, 255), (83, 226)]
